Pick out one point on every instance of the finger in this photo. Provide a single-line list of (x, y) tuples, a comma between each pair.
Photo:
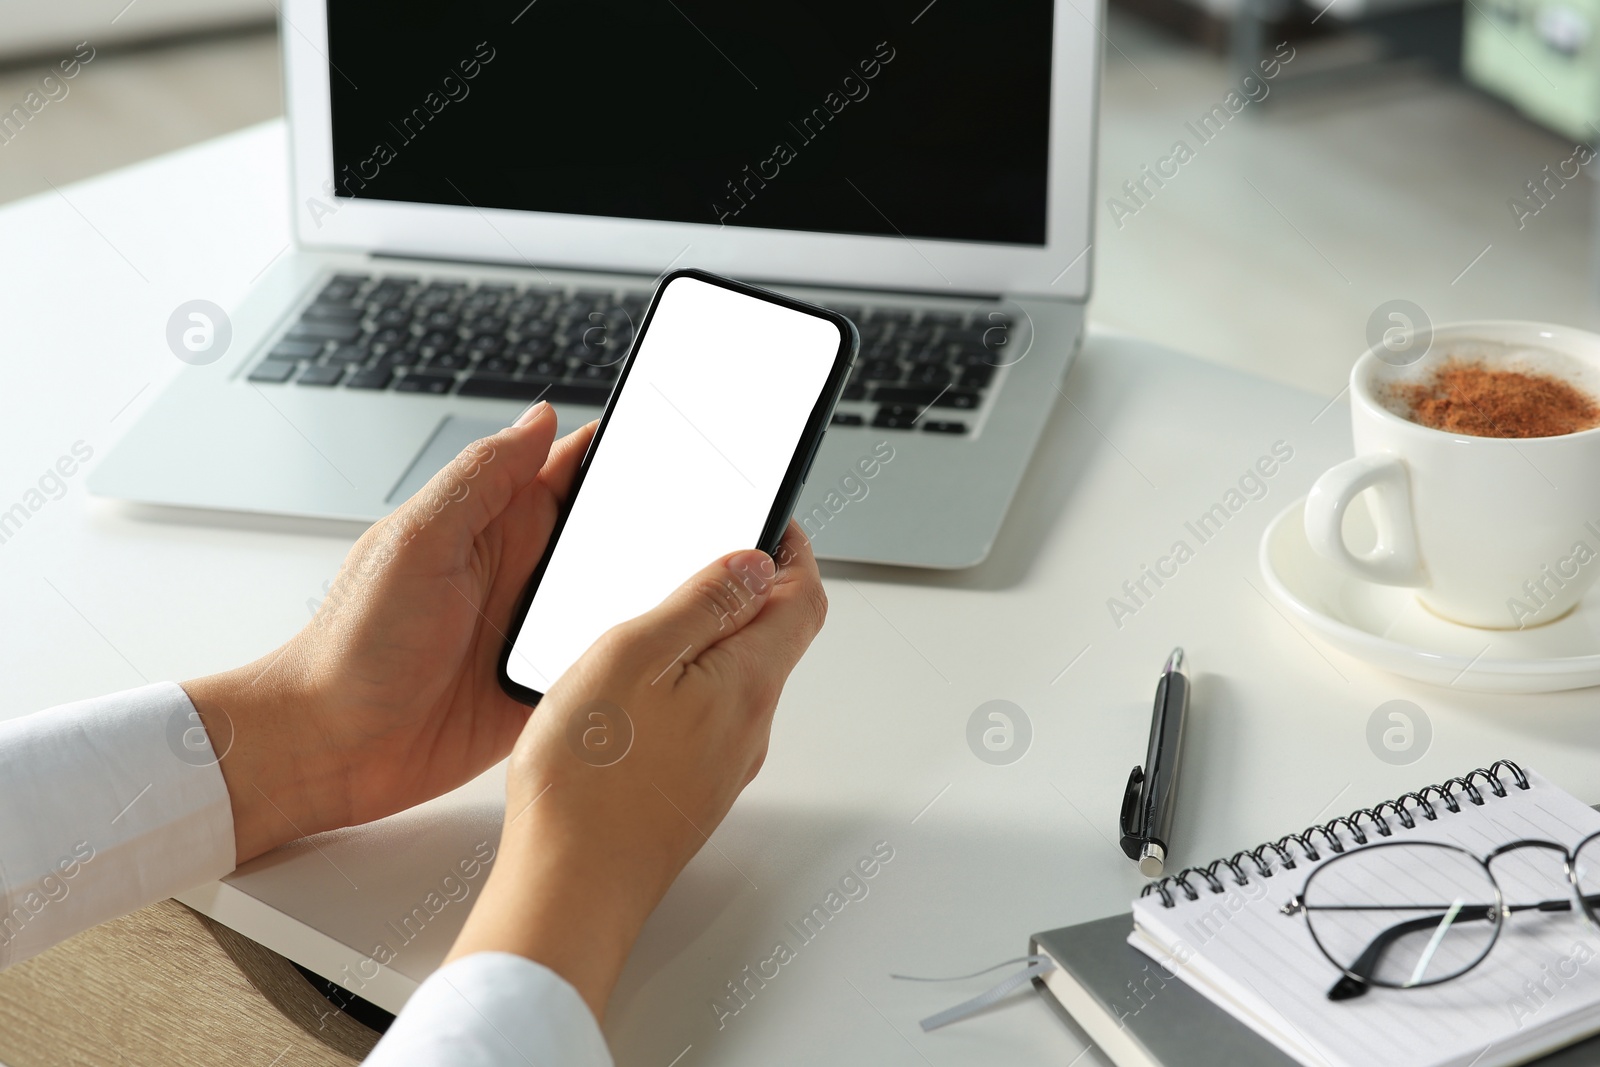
[(565, 459), (532, 515), (714, 604), (772, 643), (475, 487)]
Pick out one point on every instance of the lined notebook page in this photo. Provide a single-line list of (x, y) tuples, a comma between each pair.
[(1539, 987)]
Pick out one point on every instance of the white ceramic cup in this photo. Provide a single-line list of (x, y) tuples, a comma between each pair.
[(1493, 532)]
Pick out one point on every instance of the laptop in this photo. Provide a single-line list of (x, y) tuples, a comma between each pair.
[(484, 196)]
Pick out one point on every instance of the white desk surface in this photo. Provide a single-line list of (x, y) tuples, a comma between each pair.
[(869, 743)]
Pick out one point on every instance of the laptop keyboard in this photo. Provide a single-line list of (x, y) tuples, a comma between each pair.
[(926, 370)]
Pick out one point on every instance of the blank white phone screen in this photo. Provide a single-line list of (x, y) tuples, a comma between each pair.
[(690, 464)]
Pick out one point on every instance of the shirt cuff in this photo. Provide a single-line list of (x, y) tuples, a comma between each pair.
[(493, 1009), (121, 804)]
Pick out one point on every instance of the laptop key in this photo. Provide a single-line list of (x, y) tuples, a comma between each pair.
[(375, 378), (546, 367), (488, 385), (882, 370), (597, 372), (295, 350), (324, 331), (579, 393), (348, 354), (977, 357), (396, 358), (976, 377), (582, 351), (440, 339), (497, 365), (896, 416), (425, 383), (338, 291), (847, 418), (854, 391), (386, 296), (449, 361), (930, 374), (944, 426), (273, 370), (925, 396), (890, 315), (321, 312), (321, 375), (393, 316)]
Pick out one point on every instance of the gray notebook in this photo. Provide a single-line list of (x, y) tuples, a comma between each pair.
[(1142, 1016), (1142, 1012)]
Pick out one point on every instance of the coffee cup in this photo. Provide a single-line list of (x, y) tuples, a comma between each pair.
[(1501, 533)]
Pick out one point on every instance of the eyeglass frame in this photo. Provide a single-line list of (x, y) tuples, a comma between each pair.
[(1353, 984)]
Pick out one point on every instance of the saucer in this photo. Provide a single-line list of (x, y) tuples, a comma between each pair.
[(1387, 627)]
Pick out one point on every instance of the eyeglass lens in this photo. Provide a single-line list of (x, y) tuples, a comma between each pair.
[(1406, 914)]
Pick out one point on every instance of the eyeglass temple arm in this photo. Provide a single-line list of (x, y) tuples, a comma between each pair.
[(1356, 980), (1357, 977)]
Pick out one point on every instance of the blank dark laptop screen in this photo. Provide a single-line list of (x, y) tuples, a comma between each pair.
[(918, 119)]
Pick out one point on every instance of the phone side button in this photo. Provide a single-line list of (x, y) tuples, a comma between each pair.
[(814, 450)]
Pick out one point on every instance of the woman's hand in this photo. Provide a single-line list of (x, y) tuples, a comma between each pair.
[(633, 759), (389, 696)]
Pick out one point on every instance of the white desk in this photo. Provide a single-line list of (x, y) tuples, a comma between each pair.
[(869, 743)]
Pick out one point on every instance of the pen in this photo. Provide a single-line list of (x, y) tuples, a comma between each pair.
[(1151, 797)]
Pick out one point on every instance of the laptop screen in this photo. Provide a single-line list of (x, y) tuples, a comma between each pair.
[(896, 119)]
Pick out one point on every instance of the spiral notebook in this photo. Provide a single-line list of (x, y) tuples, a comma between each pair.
[(1221, 929)]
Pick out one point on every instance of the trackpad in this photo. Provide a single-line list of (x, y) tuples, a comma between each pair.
[(453, 434)]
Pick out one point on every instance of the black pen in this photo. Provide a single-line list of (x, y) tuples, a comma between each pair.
[(1151, 797)]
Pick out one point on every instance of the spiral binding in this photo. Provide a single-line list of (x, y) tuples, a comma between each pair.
[(1446, 793)]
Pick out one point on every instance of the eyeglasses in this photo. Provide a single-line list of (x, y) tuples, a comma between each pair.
[(1405, 914)]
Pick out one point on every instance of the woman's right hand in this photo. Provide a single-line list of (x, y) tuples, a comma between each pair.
[(633, 758)]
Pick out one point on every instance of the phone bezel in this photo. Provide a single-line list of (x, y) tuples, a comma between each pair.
[(788, 494)]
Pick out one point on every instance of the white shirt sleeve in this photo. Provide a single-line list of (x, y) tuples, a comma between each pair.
[(117, 802), (493, 1009), (112, 803)]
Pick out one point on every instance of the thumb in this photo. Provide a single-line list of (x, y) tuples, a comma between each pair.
[(475, 487), (716, 603)]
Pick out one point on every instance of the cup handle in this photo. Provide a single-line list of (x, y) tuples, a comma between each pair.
[(1395, 559)]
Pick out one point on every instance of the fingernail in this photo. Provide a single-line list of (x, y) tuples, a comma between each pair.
[(754, 568), (532, 413)]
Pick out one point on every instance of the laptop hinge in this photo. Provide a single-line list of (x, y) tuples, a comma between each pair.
[(954, 294)]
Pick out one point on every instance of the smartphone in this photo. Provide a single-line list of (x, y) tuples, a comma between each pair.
[(702, 450)]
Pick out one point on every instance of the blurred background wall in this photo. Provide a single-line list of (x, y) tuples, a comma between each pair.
[(1417, 149)]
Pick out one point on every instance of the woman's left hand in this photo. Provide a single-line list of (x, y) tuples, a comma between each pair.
[(390, 695)]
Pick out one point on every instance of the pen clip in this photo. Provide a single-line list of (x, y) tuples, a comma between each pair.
[(1131, 824)]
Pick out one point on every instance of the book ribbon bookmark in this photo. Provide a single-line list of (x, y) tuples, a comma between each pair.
[(1037, 966)]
